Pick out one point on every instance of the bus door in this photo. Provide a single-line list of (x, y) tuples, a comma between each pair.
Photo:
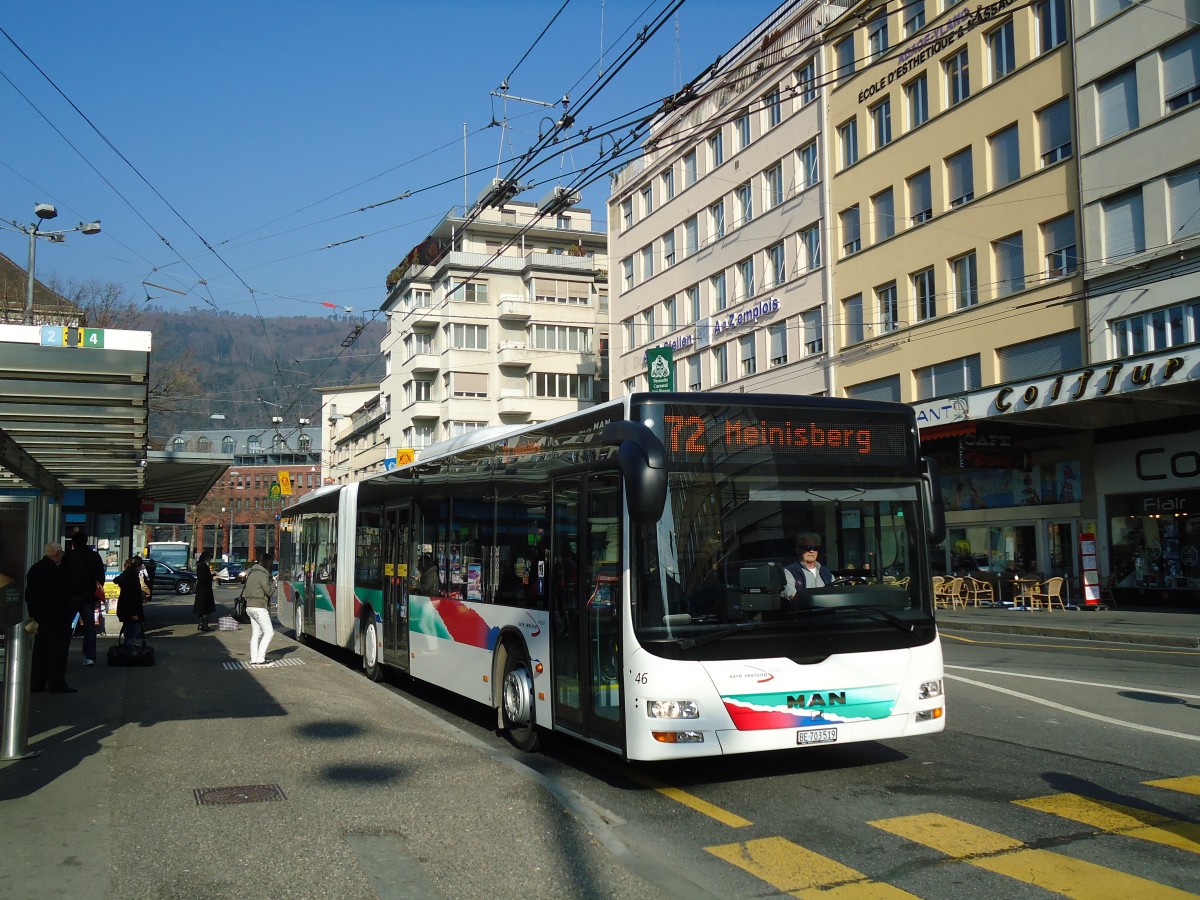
[(395, 587), (585, 601)]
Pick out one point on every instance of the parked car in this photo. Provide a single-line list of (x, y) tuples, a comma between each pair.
[(231, 574), (181, 581)]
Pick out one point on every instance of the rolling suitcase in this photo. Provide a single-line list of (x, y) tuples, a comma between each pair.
[(138, 655)]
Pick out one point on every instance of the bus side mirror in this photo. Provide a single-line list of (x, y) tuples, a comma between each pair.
[(642, 460), (935, 512)]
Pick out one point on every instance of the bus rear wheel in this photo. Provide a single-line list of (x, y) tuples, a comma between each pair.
[(516, 702), (300, 638), (370, 646)]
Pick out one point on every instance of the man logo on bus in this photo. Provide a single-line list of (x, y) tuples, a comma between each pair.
[(816, 699)]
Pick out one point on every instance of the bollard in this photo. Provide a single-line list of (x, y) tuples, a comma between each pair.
[(17, 657)]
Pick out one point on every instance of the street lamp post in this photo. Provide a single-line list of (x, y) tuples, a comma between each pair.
[(46, 211)]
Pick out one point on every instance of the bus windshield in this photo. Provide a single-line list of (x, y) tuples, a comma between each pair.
[(773, 538)]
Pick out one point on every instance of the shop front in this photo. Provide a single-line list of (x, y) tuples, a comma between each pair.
[(1151, 513)]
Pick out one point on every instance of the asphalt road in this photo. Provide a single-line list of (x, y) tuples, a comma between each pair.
[(1066, 769)]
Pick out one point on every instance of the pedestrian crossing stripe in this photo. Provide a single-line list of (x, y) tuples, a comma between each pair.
[(1007, 856), (236, 664), (803, 873), (1113, 818)]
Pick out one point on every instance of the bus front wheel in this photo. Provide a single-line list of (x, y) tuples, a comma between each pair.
[(370, 647), (516, 703), (300, 638)]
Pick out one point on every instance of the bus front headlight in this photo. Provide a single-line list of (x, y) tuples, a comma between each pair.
[(929, 689), (672, 709)]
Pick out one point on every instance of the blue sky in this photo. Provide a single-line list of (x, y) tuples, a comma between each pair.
[(266, 128)]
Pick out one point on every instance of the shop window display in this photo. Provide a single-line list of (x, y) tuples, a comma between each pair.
[(1156, 551)]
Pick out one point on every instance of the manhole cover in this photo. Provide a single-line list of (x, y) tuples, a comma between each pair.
[(246, 793)]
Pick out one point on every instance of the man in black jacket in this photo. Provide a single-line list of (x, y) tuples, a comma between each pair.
[(84, 571), (47, 602)]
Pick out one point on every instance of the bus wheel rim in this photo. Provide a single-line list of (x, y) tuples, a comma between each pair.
[(370, 646), (518, 696)]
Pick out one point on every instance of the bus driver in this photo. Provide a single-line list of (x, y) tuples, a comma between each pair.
[(806, 571)]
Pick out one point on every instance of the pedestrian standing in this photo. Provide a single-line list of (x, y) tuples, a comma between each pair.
[(130, 609), (47, 601), (206, 603), (84, 572), (259, 589)]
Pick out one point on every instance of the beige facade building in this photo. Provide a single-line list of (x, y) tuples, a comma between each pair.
[(352, 434), (499, 318)]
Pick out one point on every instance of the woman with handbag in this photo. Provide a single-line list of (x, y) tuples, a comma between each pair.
[(130, 609), (259, 589), (205, 604)]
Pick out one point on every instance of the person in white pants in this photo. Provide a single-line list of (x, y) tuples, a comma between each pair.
[(259, 588)]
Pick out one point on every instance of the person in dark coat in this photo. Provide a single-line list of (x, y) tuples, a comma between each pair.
[(84, 571), (205, 604), (129, 603), (47, 601)]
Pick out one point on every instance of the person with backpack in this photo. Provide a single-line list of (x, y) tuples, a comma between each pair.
[(260, 587)]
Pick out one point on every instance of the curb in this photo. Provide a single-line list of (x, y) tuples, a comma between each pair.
[(1183, 642)]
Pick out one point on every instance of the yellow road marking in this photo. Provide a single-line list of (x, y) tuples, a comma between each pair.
[(1108, 649), (724, 816), (1189, 784), (803, 873), (1004, 855), (1114, 818)]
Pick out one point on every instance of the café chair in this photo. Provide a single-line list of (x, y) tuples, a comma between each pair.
[(948, 594), (979, 592), (1047, 594)]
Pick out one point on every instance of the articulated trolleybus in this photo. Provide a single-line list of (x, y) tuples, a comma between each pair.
[(620, 574)]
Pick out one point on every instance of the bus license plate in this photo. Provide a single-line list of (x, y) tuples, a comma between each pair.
[(817, 736)]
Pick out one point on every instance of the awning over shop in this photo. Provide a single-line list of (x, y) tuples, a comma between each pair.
[(954, 429), (183, 477)]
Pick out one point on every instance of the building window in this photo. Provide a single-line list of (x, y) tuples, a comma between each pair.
[(626, 213), (561, 337), (468, 337), (881, 123), (848, 141), (1124, 228), (955, 376), (960, 178), (877, 36), (745, 198), (1183, 196), (843, 52), (742, 127), (254, 444), (420, 390), (627, 272), (1118, 112), (1001, 50), (671, 313), (852, 314), (716, 150), (691, 236), (810, 170), (227, 445), (914, 17), (1159, 329), (560, 385), (178, 445), (888, 306), (778, 264), (1054, 127), (647, 200), (810, 246), (650, 324), (924, 295), (774, 176), (1181, 72), (1108, 8), (693, 300), (778, 341), (773, 108), (458, 429), (851, 239), (721, 363), (1006, 157), (472, 385), (806, 82), (1051, 23), (916, 92), (647, 262), (958, 78), (690, 170), (920, 197), (964, 274), (720, 295), (716, 220), (1009, 256), (693, 374), (1042, 356), (814, 331), (1058, 241), (668, 184), (630, 334), (745, 270), (747, 354), (668, 249), (883, 212), (461, 291)]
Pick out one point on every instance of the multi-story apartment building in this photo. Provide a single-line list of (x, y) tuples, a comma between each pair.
[(717, 232), (964, 262), (500, 317), (352, 432)]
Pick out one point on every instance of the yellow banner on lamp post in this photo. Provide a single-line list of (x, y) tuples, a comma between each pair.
[(405, 455), (285, 483)]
